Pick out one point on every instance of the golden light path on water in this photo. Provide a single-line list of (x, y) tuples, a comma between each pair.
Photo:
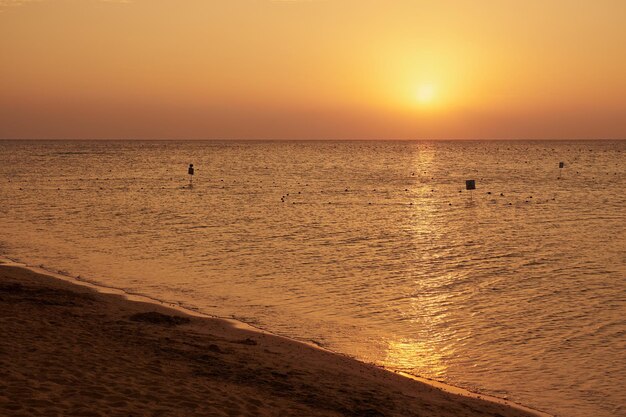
[(423, 310), (426, 309), (409, 354)]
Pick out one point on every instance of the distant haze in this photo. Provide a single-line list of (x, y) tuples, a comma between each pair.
[(327, 69)]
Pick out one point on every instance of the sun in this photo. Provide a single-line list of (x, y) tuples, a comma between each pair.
[(426, 94)]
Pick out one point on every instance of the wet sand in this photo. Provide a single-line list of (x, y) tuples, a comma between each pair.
[(67, 350)]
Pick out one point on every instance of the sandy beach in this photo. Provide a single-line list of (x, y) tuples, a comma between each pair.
[(67, 350)]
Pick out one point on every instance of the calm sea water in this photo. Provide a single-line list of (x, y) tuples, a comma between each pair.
[(372, 249)]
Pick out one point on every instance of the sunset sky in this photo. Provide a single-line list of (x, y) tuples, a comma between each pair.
[(313, 69)]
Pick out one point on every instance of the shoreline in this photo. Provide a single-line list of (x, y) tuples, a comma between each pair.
[(388, 381)]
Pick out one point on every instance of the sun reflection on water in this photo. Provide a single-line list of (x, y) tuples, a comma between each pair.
[(416, 357), (428, 351)]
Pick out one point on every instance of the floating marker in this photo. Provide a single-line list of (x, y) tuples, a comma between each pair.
[(470, 185), (561, 165)]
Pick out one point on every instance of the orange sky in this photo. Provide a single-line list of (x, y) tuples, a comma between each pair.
[(313, 69)]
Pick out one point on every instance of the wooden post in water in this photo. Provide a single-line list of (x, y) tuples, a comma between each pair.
[(190, 171), (561, 166)]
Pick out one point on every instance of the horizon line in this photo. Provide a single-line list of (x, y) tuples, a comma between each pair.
[(322, 139)]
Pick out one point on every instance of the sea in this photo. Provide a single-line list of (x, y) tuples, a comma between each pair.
[(372, 249)]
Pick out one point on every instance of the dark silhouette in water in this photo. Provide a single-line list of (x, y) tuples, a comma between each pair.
[(190, 171), (470, 185)]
